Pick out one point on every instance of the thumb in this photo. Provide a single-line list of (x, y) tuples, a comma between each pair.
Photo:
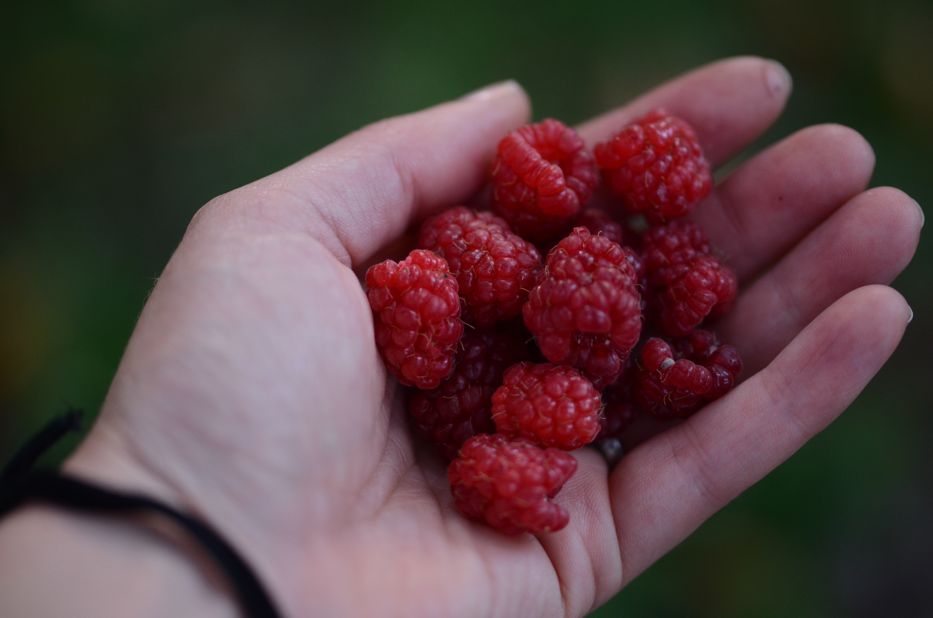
[(357, 194)]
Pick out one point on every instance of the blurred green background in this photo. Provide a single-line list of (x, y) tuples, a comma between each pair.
[(118, 119)]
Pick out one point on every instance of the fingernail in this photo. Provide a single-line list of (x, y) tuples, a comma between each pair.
[(777, 79), (922, 217), (910, 314), (492, 91)]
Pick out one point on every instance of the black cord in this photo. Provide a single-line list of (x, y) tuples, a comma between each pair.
[(28, 454), (19, 483)]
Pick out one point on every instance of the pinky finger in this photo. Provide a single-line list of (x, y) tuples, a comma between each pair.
[(672, 483)]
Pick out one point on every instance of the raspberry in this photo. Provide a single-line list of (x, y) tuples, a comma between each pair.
[(667, 248), (461, 406), (599, 222), (494, 267), (509, 484), (685, 283), (541, 178), (656, 166), (676, 382), (416, 317), (704, 287), (586, 311), (551, 405)]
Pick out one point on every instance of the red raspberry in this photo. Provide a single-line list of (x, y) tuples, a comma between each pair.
[(541, 178), (656, 166), (586, 311), (704, 287), (551, 405), (685, 283), (416, 317), (494, 267), (679, 381), (509, 484), (666, 249), (599, 222), (462, 405)]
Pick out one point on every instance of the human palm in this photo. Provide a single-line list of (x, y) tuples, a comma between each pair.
[(252, 394)]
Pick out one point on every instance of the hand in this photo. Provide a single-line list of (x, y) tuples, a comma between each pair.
[(252, 394)]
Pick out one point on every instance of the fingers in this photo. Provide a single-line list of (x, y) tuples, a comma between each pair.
[(667, 487), (869, 240), (729, 103), (772, 200), (359, 193)]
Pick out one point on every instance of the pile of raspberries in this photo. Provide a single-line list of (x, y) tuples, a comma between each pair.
[(515, 358)]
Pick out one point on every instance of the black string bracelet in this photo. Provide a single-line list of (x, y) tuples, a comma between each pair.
[(20, 483)]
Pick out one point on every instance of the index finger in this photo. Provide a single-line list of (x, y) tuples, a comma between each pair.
[(729, 103)]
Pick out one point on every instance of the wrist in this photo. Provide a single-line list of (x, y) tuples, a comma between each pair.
[(56, 563), (258, 579)]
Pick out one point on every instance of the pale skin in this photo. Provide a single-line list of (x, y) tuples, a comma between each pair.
[(252, 395)]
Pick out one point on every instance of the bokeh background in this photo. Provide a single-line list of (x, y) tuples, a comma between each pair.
[(119, 118)]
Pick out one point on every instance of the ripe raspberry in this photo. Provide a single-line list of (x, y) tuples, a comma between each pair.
[(494, 267), (586, 311), (656, 166), (672, 382), (685, 283), (541, 178), (551, 405), (666, 249), (416, 317), (462, 405), (509, 484), (704, 287), (599, 222)]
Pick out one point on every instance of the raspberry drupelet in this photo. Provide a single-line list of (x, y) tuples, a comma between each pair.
[(550, 405), (416, 317), (676, 381), (685, 283), (494, 267), (461, 406), (586, 311), (541, 178), (656, 167), (509, 484)]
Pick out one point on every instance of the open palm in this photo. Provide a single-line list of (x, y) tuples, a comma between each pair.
[(252, 394)]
